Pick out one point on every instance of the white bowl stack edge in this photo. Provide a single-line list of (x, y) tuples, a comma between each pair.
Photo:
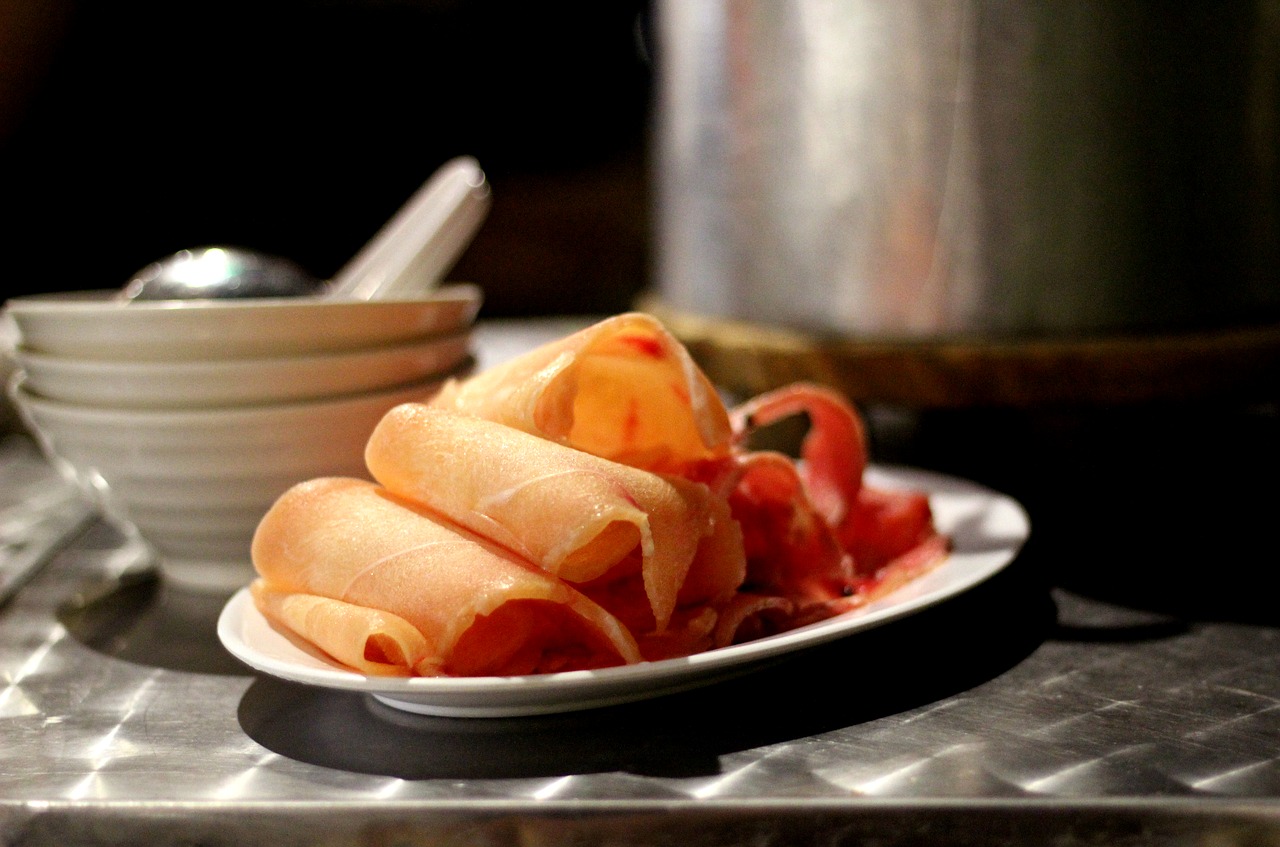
[(185, 420)]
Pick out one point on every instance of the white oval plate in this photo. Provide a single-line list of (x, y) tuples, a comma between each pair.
[(987, 529)]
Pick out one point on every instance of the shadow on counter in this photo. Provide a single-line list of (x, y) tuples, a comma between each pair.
[(882, 671), (140, 619), (1162, 509)]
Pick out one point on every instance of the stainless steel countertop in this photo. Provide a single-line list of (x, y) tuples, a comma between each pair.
[(1101, 690)]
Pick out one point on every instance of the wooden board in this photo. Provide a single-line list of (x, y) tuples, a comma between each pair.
[(1233, 365)]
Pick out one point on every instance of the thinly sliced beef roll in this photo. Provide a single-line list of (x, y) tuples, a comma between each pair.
[(342, 562), (587, 504), (623, 388), (609, 528)]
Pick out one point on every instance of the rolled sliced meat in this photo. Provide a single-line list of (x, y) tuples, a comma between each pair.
[(480, 610), (623, 388), (590, 521)]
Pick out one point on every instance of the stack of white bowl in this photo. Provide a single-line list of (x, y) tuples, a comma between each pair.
[(184, 420)]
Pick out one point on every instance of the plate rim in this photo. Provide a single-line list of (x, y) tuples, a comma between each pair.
[(574, 690)]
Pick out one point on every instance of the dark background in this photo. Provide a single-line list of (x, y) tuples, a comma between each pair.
[(129, 130)]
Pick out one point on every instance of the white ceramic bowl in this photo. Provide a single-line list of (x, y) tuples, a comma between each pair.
[(93, 325), (194, 483), (193, 384)]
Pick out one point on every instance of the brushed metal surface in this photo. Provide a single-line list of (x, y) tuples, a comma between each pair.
[(1120, 690), (969, 168)]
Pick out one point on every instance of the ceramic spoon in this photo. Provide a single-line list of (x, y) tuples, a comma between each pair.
[(406, 258)]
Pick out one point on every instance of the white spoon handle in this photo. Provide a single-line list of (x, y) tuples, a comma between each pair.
[(414, 249)]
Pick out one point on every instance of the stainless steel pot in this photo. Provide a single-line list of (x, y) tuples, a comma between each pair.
[(960, 168)]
